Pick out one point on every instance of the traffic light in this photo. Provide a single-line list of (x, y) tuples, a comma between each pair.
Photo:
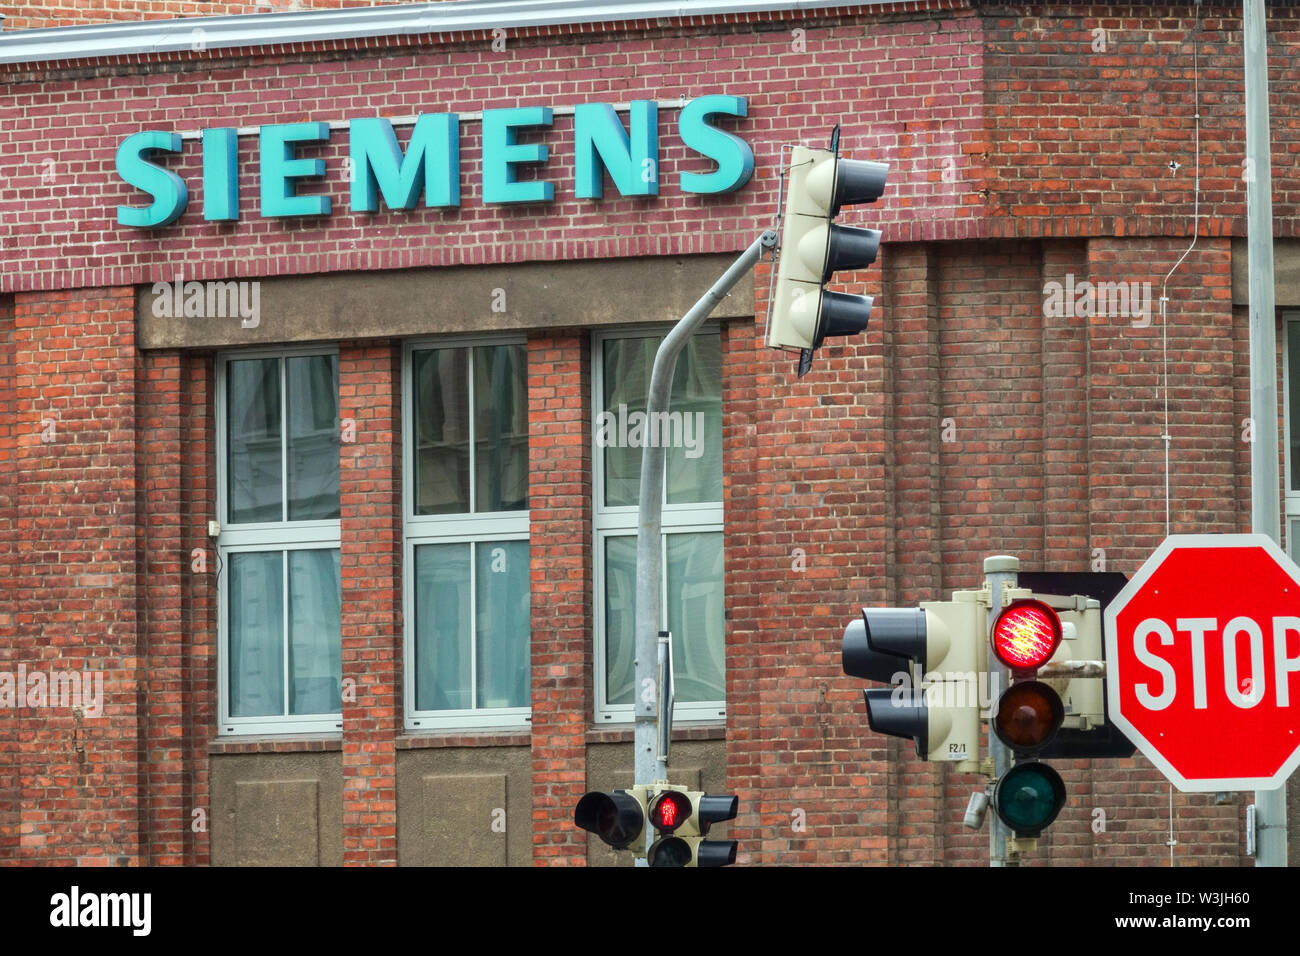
[(934, 655), (1087, 732), (813, 248), (618, 818), (681, 819), (1025, 636)]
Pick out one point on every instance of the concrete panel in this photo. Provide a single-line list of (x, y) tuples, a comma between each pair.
[(278, 823), (463, 820), (696, 764), (277, 809), (460, 299), (1286, 272), (459, 806)]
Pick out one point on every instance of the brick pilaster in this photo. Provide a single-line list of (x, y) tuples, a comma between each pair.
[(370, 528), (560, 548)]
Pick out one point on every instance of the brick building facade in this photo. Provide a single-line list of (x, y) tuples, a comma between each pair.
[(1029, 144)]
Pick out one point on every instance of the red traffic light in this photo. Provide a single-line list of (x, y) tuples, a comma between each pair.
[(669, 809), (1026, 634)]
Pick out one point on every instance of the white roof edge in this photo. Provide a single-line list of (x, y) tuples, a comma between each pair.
[(449, 16)]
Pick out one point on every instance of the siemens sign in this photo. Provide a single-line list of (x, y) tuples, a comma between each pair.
[(431, 163)]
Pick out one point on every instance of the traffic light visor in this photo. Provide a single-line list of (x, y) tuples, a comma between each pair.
[(850, 248), (717, 809), (857, 181), (877, 645), (842, 314), (614, 817)]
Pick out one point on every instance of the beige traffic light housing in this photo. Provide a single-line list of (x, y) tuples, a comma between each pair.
[(805, 237), (1083, 697)]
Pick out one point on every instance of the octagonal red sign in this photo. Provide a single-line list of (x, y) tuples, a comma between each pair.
[(1203, 662)]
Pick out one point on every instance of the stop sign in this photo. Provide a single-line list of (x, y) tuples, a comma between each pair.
[(1203, 662)]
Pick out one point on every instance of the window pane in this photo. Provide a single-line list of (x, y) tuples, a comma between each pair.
[(620, 617), (312, 394), (501, 428), (315, 633), (256, 634), (628, 363), (442, 627), (253, 440), (1293, 397), (502, 612), (441, 431), (694, 458), (691, 432), (695, 615)]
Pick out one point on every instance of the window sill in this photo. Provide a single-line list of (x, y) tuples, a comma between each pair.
[(623, 733), (268, 743), (489, 737)]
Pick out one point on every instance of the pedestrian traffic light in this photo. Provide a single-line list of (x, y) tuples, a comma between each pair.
[(934, 656), (618, 818), (681, 819), (813, 248), (1025, 636)]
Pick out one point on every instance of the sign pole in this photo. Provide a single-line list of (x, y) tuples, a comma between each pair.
[(1000, 571), (1270, 805)]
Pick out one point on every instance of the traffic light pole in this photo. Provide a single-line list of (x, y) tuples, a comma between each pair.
[(1270, 805), (1000, 571), (651, 763)]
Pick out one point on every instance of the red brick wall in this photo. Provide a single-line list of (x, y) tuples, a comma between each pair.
[(560, 582), (1082, 138), (162, 565), (10, 753), (65, 13), (74, 602), (1054, 452), (198, 504), (370, 532), (59, 171)]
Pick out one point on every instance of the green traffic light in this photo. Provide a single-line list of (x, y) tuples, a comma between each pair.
[(1028, 798)]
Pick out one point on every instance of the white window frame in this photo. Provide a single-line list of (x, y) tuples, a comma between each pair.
[(1290, 498), (315, 534), (449, 529), (621, 520)]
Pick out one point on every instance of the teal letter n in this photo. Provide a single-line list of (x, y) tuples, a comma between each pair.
[(600, 140)]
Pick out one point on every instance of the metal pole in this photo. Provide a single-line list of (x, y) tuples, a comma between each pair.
[(1270, 805), (1000, 571), (649, 511)]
